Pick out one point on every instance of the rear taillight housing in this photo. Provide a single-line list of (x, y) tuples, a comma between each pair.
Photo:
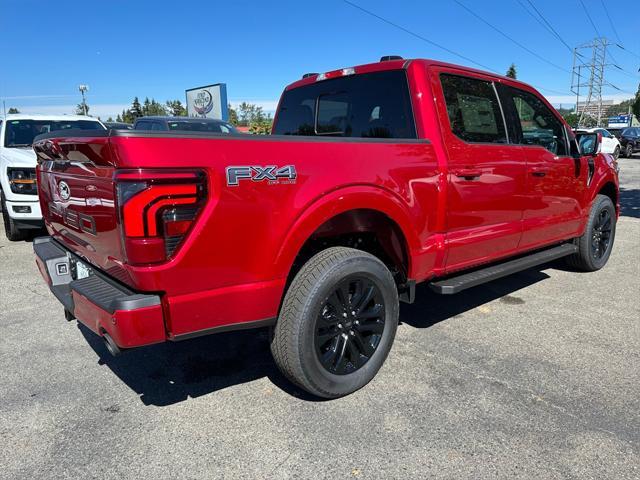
[(157, 210)]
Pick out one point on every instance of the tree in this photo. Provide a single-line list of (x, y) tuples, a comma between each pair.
[(511, 72), (119, 119), (82, 109), (249, 113), (145, 106), (110, 119), (619, 108), (136, 108), (175, 108), (13, 110), (233, 115), (635, 108)]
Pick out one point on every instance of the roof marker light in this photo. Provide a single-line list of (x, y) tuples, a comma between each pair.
[(321, 76), (348, 71)]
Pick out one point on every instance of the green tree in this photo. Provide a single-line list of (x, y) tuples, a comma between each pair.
[(175, 108), (136, 108), (619, 108), (13, 110), (110, 119), (511, 72), (82, 109), (118, 118), (233, 115), (571, 118), (145, 106), (635, 107)]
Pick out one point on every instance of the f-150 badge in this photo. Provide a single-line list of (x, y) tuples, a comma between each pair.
[(271, 174)]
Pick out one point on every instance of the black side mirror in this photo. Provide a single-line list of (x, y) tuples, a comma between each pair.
[(589, 143)]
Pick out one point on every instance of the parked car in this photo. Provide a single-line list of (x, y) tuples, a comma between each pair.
[(376, 178), (19, 192), (184, 124), (630, 141), (610, 144), (119, 125)]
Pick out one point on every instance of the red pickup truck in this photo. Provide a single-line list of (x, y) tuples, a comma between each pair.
[(375, 178)]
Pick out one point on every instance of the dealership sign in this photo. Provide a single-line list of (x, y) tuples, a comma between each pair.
[(621, 121), (209, 101)]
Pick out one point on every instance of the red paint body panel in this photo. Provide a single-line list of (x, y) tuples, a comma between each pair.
[(233, 265)]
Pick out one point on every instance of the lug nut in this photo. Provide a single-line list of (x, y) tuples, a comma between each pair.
[(340, 326), (344, 314)]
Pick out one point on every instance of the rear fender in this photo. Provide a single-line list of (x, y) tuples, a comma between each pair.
[(340, 201)]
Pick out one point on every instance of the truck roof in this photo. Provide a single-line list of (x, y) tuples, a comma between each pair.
[(393, 65)]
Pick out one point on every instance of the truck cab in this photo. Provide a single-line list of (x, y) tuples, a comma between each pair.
[(19, 191)]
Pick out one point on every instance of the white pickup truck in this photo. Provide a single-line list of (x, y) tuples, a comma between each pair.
[(18, 188)]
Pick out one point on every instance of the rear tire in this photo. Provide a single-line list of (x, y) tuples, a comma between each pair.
[(628, 152), (595, 245), (337, 323), (12, 232), (616, 153)]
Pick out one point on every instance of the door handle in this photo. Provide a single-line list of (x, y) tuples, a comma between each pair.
[(468, 173), (538, 173)]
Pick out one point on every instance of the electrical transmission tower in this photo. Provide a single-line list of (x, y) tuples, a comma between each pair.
[(588, 74)]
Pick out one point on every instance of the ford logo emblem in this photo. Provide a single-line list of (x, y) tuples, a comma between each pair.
[(64, 190)]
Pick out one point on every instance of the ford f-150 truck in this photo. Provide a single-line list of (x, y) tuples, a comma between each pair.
[(375, 178), (18, 191)]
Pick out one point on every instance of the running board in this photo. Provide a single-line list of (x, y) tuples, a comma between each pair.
[(459, 283)]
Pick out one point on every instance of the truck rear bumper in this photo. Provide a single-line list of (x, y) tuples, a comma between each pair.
[(102, 304)]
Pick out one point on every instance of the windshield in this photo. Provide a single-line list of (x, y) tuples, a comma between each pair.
[(195, 126), (20, 133)]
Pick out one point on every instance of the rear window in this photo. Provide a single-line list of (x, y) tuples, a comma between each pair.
[(371, 105), (20, 133), (195, 126)]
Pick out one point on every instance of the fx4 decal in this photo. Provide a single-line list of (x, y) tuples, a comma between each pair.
[(272, 174)]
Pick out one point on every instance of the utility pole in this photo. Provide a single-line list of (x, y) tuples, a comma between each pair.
[(594, 62), (83, 88)]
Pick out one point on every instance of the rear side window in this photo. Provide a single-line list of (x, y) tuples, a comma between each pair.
[(143, 125), (371, 105), (473, 109), (538, 124)]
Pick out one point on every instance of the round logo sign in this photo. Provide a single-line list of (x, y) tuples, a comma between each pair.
[(64, 190), (203, 102)]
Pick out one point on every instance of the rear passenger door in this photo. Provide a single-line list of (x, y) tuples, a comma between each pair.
[(555, 180), (486, 175)]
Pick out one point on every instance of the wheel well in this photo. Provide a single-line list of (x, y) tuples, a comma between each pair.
[(610, 191), (368, 230)]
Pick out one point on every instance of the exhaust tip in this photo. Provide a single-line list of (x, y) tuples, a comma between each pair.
[(111, 345)]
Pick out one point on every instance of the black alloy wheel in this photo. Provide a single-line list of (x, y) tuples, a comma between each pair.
[(601, 234), (349, 325)]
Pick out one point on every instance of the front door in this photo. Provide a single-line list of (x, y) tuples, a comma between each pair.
[(486, 175), (555, 180)]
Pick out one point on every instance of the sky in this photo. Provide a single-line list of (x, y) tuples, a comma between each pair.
[(127, 48)]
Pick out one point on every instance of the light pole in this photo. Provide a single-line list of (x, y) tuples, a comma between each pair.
[(83, 88)]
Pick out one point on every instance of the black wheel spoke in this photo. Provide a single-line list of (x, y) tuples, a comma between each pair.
[(372, 327), (363, 346), (374, 312), (365, 300), (329, 355), (340, 360)]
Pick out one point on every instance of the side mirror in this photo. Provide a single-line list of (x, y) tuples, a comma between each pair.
[(589, 143)]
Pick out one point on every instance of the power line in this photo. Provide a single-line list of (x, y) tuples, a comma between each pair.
[(510, 38), (610, 22), (627, 50), (589, 17), (420, 37), (546, 24)]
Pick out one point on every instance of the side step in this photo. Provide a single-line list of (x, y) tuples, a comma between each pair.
[(461, 282)]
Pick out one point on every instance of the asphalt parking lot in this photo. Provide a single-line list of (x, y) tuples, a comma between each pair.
[(533, 376)]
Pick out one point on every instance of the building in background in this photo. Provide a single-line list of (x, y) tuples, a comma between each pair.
[(591, 109)]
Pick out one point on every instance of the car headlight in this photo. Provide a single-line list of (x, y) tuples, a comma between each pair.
[(22, 180)]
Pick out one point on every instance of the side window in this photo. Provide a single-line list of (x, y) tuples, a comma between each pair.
[(538, 124), (156, 126), (473, 109), (143, 125)]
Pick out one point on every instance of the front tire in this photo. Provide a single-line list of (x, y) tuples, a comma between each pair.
[(337, 323), (628, 152), (12, 232), (616, 153), (595, 245)]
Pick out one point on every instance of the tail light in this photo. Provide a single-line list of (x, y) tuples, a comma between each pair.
[(157, 209)]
